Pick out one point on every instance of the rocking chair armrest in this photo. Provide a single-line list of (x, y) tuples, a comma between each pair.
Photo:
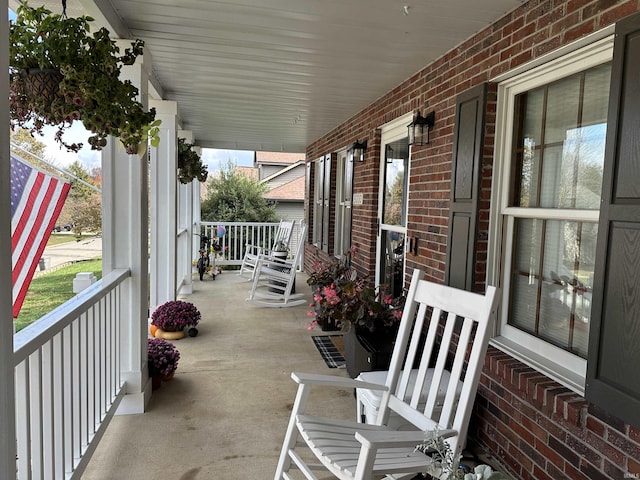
[(396, 438), (256, 249), (333, 381)]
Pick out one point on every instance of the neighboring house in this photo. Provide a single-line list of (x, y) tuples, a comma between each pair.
[(284, 176), (531, 182)]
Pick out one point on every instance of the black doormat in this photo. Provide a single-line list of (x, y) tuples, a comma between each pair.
[(330, 354)]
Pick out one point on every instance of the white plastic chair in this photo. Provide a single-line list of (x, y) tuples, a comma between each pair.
[(253, 252), (457, 325), (274, 278)]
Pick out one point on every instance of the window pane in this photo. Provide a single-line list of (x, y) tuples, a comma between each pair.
[(392, 262), (534, 105), (395, 188), (554, 304), (560, 134), (524, 282), (562, 108)]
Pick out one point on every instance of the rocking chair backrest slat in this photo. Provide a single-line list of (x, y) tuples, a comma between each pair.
[(437, 360), (284, 232)]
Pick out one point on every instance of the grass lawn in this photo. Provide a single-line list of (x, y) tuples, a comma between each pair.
[(50, 290), (58, 238)]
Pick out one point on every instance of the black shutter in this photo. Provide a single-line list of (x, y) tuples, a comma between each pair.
[(318, 201), (326, 209), (307, 197), (465, 182), (613, 381)]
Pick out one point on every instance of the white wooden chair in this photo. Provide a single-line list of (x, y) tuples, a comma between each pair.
[(457, 325), (274, 278), (253, 252)]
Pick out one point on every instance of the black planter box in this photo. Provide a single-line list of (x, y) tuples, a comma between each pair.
[(365, 352)]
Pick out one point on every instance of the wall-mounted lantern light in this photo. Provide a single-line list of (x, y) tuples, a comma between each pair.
[(358, 149), (419, 128)]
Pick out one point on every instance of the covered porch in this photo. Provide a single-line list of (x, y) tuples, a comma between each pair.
[(225, 412)]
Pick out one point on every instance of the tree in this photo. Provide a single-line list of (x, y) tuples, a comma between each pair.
[(30, 149), (233, 197), (83, 207)]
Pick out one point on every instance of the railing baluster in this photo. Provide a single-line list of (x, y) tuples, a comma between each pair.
[(35, 394), (23, 420)]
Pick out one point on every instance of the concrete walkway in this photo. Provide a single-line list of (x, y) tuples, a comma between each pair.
[(224, 414)]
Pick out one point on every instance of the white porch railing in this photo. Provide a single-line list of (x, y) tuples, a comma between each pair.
[(239, 234), (68, 385)]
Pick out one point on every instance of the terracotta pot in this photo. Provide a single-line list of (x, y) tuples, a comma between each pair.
[(156, 382), (169, 377)]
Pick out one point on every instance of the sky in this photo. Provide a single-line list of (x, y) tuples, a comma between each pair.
[(213, 158)]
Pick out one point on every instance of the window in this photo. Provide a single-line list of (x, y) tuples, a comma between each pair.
[(344, 192), (550, 158)]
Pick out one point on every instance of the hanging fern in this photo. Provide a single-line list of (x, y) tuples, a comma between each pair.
[(190, 164)]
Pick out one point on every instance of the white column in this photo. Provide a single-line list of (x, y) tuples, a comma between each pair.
[(185, 226), (125, 245), (7, 391), (195, 216), (164, 162)]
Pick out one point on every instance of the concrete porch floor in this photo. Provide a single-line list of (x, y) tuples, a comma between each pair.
[(224, 414)]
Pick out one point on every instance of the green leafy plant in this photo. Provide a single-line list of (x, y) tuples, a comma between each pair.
[(60, 72), (446, 466), (190, 164)]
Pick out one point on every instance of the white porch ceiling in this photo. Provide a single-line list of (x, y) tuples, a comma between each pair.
[(275, 75)]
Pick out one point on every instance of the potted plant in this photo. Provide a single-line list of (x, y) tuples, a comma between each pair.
[(367, 314), (60, 72), (172, 318), (162, 360), (190, 164), (446, 466)]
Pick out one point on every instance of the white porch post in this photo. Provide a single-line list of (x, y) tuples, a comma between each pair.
[(125, 245), (195, 217), (163, 206), (185, 226), (7, 392)]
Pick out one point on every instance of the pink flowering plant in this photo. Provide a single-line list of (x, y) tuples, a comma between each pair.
[(343, 299), (175, 315), (162, 357)]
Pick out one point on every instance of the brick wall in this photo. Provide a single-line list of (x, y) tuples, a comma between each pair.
[(539, 429), (534, 426)]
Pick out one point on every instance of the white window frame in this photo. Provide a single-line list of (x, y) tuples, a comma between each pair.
[(564, 367)]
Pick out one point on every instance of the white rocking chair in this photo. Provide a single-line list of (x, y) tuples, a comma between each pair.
[(457, 333), (253, 252), (274, 278)]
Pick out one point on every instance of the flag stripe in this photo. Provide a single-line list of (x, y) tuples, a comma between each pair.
[(36, 201)]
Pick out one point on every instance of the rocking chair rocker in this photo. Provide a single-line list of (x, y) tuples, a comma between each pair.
[(449, 365)]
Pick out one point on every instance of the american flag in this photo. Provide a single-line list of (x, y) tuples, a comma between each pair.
[(36, 201)]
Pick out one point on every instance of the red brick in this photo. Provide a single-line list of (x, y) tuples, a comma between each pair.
[(595, 425)]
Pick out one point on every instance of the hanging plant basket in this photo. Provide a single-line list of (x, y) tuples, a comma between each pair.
[(190, 164), (61, 72)]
